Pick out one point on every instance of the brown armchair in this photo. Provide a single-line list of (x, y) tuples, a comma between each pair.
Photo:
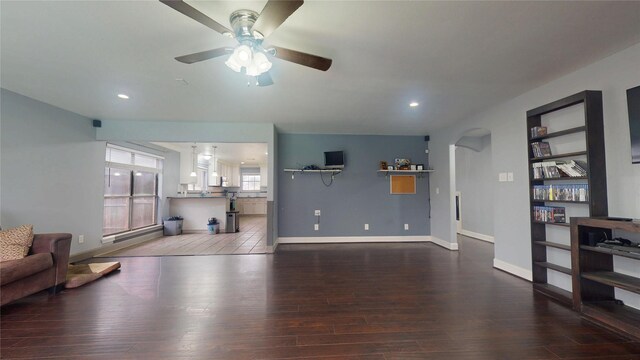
[(45, 267)]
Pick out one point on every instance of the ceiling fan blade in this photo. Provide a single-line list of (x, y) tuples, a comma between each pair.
[(196, 15), (264, 79), (203, 55), (312, 61), (274, 14)]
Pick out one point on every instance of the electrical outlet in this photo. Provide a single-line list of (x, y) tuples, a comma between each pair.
[(80, 239), (406, 226), (316, 213), (366, 226), (426, 151), (510, 176), (437, 190), (316, 227)]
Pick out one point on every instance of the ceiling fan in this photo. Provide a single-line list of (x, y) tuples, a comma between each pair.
[(250, 29)]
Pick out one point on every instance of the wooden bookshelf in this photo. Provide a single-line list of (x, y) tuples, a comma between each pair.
[(594, 152), (594, 276), (553, 245)]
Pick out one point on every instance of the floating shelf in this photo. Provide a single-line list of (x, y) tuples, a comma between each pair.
[(330, 171), (419, 172)]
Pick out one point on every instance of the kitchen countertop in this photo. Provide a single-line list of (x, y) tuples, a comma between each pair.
[(196, 197)]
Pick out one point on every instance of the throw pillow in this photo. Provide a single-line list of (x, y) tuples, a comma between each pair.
[(15, 243)]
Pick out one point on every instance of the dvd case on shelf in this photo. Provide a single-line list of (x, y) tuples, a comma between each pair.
[(563, 192), (549, 214)]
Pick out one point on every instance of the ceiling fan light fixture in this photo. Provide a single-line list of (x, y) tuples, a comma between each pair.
[(261, 62), (243, 55), (233, 64)]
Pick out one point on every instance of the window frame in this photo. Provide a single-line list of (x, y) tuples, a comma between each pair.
[(131, 168)]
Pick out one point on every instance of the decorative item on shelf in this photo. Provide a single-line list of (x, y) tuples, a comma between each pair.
[(383, 165), (402, 164), (413, 166), (389, 167), (419, 166), (538, 131)]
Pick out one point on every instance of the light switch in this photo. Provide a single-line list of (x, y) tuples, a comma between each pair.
[(502, 177), (510, 176)]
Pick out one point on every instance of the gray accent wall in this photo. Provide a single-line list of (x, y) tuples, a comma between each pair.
[(474, 181), (52, 170), (357, 196)]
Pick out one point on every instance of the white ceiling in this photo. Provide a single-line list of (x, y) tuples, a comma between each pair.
[(455, 58), (232, 153)]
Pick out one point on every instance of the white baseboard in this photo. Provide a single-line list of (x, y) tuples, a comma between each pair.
[(351, 239), (475, 235), (445, 244), (512, 269), (272, 249), (107, 248), (366, 239)]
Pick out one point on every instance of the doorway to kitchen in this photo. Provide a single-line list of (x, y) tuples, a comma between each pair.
[(214, 196)]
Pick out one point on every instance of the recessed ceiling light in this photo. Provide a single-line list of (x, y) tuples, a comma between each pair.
[(414, 103), (241, 162), (266, 153), (123, 96)]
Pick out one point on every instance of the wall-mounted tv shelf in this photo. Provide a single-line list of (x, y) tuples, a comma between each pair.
[(549, 237), (333, 172), (595, 279)]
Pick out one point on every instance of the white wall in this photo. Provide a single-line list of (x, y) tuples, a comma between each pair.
[(474, 181), (52, 170), (507, 123)]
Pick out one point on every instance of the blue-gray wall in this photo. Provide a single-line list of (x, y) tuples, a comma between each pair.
[(358, 195), (52, 170)]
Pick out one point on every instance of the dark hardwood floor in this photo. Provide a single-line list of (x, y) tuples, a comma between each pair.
[(365, 301)]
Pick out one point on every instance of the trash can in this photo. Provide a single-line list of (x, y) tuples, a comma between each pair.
[(233, 223), (172, 226)]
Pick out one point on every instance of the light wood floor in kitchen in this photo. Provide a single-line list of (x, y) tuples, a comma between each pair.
[(252, 239)]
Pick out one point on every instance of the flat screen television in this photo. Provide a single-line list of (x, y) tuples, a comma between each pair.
[(334, 159), (633, 103)]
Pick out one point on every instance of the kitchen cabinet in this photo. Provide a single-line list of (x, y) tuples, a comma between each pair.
[(252, 206), (234, 176), (264, 174)]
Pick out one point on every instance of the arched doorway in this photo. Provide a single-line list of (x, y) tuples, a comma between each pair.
[(473, 186)]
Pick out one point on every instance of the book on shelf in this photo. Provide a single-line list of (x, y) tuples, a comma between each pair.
[(559, 169), (549, 214), (541, 149), (562, 192), (573, 168), (538, 131)]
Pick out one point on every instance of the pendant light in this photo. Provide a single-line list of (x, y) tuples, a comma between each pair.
[(214, 173), (193, 162)]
